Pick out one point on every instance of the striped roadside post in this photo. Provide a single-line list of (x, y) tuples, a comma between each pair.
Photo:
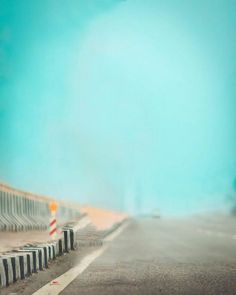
[(53, 222)]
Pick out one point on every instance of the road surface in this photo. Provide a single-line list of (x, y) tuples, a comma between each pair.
[(163, 256)]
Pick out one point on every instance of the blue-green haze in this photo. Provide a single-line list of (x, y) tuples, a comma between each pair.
[(123, 104)]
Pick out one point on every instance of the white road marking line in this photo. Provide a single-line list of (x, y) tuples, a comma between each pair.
[(82, 223), (216, 233), (64, 280), (116, 233)]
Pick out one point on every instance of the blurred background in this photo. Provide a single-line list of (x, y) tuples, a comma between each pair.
[(128, 105)]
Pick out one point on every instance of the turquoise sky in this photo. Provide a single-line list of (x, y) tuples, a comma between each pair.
[(124, 104)]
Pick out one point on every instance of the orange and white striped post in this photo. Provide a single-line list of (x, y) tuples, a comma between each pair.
[(53, 221)]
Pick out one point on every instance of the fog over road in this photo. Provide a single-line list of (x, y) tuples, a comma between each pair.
[(195, 255), (163, 256)]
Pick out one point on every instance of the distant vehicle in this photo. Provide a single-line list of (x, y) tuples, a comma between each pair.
[(156, 213)]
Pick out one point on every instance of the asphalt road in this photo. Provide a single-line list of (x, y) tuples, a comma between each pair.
[(165, 256), (151, 256)]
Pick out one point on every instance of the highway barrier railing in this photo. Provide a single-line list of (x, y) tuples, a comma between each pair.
[(31, 258), (25, 211)]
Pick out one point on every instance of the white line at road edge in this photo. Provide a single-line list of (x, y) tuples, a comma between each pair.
[(83, 223), (216, 233), (64, 280)]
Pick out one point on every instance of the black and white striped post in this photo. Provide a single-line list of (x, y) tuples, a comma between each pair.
[(53, 221)]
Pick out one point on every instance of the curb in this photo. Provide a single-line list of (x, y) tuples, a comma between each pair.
[(91, 240), (32, 258), (19, 264)]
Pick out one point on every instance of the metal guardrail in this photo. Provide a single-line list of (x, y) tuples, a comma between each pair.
[(23, 211)]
